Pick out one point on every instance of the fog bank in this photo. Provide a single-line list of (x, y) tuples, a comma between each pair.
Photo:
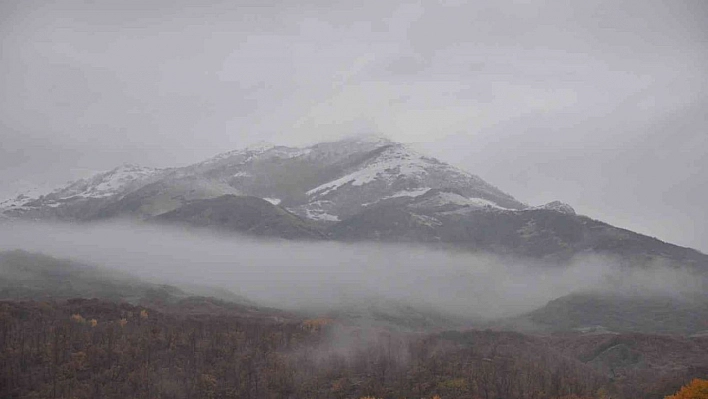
[(324, 276)]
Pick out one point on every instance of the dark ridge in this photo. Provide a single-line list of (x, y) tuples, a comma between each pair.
[(244, 214)]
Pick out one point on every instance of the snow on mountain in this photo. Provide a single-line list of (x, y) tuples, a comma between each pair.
[(106, 184), (396, 162), (252, 152), (102, 185), (28, 192), (444, 198), (317, 210), (332, 180), (336, 152), (325, 182), (409, 193), (394, 170), (557, 206), (403, 194), (355, 189)]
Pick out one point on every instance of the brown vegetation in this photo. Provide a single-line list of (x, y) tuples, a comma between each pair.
[(92, 348), (697, 389)]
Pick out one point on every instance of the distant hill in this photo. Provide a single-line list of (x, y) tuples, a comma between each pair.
[(32, 276), (25, 275), (600, 313)]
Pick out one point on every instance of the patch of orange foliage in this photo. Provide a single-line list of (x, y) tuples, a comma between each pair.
[(697, 389)]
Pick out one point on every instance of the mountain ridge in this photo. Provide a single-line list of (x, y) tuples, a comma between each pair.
[(354, 189), (234, 168)]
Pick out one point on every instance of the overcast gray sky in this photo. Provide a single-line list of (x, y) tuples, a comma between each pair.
[(598, 104)]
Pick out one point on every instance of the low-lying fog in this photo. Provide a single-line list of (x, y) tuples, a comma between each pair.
[(299, 275)]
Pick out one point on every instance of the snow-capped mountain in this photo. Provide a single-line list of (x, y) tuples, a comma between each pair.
[(24, 193), (394, 170), (71, 201), (108, 184), (558, 207), (102, 185), (332, 181), (366, 188), (326, 182)]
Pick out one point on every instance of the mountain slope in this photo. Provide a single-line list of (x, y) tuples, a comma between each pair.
[(164, 195), (25, 275), (449, 218), (392, 171), (243, 214), (338, 178), (357, 189), (601, 313)]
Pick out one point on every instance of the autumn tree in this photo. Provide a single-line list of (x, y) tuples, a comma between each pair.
[(697, 389)]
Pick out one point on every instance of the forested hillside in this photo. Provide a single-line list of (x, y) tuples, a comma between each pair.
[(93, 348)]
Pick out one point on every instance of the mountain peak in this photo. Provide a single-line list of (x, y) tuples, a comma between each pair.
[(256, 148), (367, 138), (130, 167), (259, 146), (557, 206)]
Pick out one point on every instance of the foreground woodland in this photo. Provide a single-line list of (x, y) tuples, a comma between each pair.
[(90, 348)]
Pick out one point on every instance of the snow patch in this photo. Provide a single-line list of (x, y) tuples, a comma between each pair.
[(406, 193), (287, 153), (252, 150), (321, 216), (317, 210), (448, 198), (426, 220), (395, 162), (557, 206), (274, 201), (26, 192), (409, 193), (19, 201), (260, 146), (111, 182), (258, 150), (101, 185)]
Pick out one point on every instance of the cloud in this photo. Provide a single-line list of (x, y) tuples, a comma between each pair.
[(327, 276)]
